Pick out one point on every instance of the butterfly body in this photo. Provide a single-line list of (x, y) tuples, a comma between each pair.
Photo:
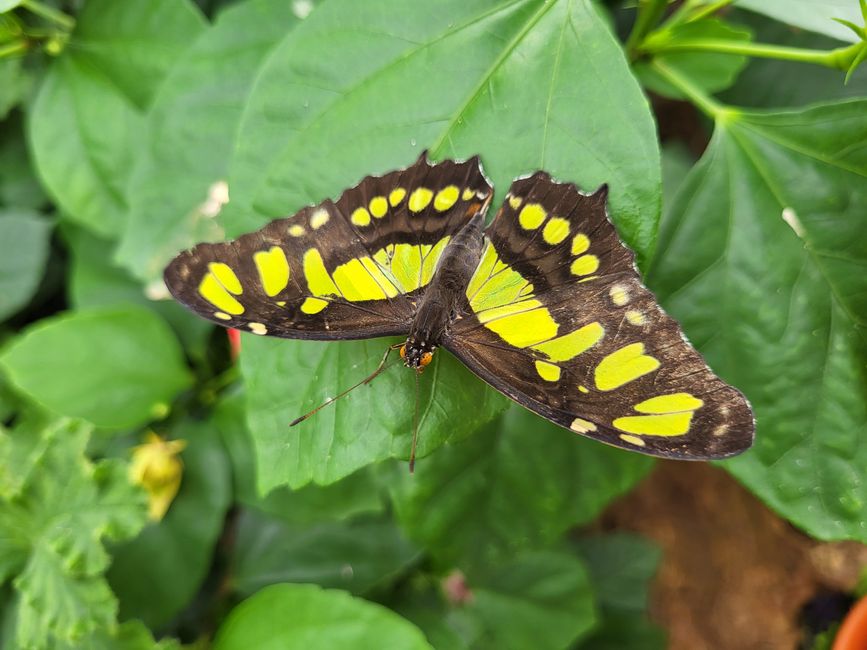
[(544, 304), (446, 294)]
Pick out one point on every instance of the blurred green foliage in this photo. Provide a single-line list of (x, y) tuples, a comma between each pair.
[(123, 123)]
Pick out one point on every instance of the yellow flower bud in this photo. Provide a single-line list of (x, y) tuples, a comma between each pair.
[(158, 469)]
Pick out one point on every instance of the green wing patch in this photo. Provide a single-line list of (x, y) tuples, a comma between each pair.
[(556, 318), (346, 269)]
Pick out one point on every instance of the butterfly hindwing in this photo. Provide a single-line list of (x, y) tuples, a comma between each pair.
[(556, 317), (347, 269)]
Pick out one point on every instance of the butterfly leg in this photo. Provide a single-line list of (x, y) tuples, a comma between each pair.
[(379, 369)]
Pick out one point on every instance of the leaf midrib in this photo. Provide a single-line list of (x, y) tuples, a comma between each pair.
[(808, 247), (342, 94)]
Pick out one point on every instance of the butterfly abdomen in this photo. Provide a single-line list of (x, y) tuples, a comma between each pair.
[(446, 293)]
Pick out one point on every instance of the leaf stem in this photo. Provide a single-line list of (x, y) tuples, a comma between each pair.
[(840, 58), (708, 105), (687, 13), (50, 13), (649, 13), (12, 49)]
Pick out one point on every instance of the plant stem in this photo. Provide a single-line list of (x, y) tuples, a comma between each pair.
[(649, 13), (12, 49), (839, 58), (708, 105), (50, 13), (685, 13)]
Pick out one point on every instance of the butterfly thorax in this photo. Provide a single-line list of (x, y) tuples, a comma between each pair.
[(440, 303)]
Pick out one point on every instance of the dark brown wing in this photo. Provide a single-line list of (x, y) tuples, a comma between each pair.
[(348, 269), (557, 318)]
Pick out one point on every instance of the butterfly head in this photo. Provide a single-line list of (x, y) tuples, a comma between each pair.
[(417, 354)]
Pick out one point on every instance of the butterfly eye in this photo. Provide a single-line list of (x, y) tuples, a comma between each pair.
[(426, 358), (403, 352)]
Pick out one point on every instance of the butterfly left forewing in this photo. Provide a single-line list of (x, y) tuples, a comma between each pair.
[(276, 282), (557, 319), (346, 269)]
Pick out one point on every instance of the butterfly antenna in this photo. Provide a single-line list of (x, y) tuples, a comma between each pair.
[(379, 369), (414, 427)]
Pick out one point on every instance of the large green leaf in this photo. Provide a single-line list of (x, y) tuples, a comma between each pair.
[(191, 128), (19, 187), (159, 572), (813, 15), (621, 567), (540, 600), (130, 635), (763, 259), (116, 367), (84, 134), (51, 534), (285, 379), (526, 83), (14, 81), (85, 127), (133, 43), (300, 617), (94, 280), (24, 244), (355, 555), (355, 494), (360, 88), (520, 484)]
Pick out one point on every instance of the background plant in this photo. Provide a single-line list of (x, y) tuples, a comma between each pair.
[(126, 128)]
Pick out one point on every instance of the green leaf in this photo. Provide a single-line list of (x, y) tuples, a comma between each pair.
[(763, 259), (520, 484), (811, 15), (190, 135), (135, 44), (621, 567), (370, 424), (528, 84), (19, 187), (24, 244), (356, 555), (677, 160), (540, 600), (51, 536), (158, 573), (130, 635), (84, 133), (709, 71), (117, 367), (9, 5), (95, 281), (85, 126), (14, 81), (22, 447), (299, 617), (355, 494)]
